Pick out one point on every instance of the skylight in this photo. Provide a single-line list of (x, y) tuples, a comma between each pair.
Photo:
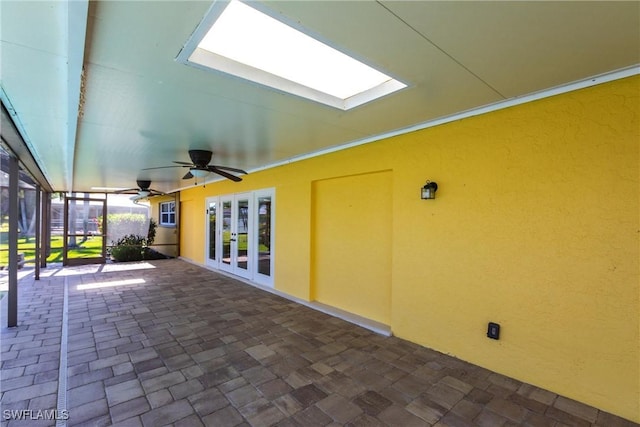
[(240, 40)]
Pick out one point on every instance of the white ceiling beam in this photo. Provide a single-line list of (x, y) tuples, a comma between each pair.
[(76, 37)]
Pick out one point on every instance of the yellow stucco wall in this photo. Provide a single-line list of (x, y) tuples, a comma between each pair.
[(166, 241), (351, 244), (536, 226)]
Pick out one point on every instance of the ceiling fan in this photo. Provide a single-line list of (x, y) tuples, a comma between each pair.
[(200, 167), (141, 191)]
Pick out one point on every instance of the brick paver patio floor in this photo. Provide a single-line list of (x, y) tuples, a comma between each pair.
[(170, 343)]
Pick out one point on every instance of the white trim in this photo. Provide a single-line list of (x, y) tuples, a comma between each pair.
[(251, 272), (250, 232), (558, 90), (169, 213), (78, 13), (207, 241), (535, 96), (222, 266), (263, 279)]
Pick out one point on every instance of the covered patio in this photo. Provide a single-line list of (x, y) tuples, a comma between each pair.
[(170, 343)]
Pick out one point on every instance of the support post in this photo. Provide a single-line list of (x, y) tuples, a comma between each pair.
[(12, 301), (46, 229), (37, 230)]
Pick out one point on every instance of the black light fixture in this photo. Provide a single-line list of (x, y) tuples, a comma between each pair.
[(429, 190)]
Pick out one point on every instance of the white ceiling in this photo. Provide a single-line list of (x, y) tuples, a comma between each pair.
[(140, 108)]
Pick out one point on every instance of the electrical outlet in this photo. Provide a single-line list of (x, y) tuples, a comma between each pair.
[(493, 331)]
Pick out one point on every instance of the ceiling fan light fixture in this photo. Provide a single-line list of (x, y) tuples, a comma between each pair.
[(200, 167), (199, 173), (140, 192), (138, 198)]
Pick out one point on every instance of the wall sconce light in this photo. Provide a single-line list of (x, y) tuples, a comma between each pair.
[(429, 190)]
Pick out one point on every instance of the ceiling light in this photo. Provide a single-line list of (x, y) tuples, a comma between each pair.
[(237, 39), (199, 173)]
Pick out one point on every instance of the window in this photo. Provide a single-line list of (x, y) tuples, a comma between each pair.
[(168, 213), (238, 39)]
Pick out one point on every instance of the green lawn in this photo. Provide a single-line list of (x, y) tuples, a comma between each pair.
[(242, 241), (88, 249)]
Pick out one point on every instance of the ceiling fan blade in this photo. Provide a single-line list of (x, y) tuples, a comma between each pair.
[(163, 167), (223, 173), (182, 163), (126, 190), (230, 169), (157, 193), (188, 175)]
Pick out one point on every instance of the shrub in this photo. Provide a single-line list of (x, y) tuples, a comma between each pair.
[(151, 235), (128, 248), (134, 247)]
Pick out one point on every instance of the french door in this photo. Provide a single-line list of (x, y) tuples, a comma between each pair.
[(239, 230), (237, 233)]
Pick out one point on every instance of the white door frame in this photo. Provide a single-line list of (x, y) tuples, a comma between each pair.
[(207, 233), (265, 280), (225, 261), (236, 226), (242, 224)]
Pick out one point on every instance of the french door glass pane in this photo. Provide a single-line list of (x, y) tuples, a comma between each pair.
[(242, 236), (212, 230), (226, 232), (264, 235)]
